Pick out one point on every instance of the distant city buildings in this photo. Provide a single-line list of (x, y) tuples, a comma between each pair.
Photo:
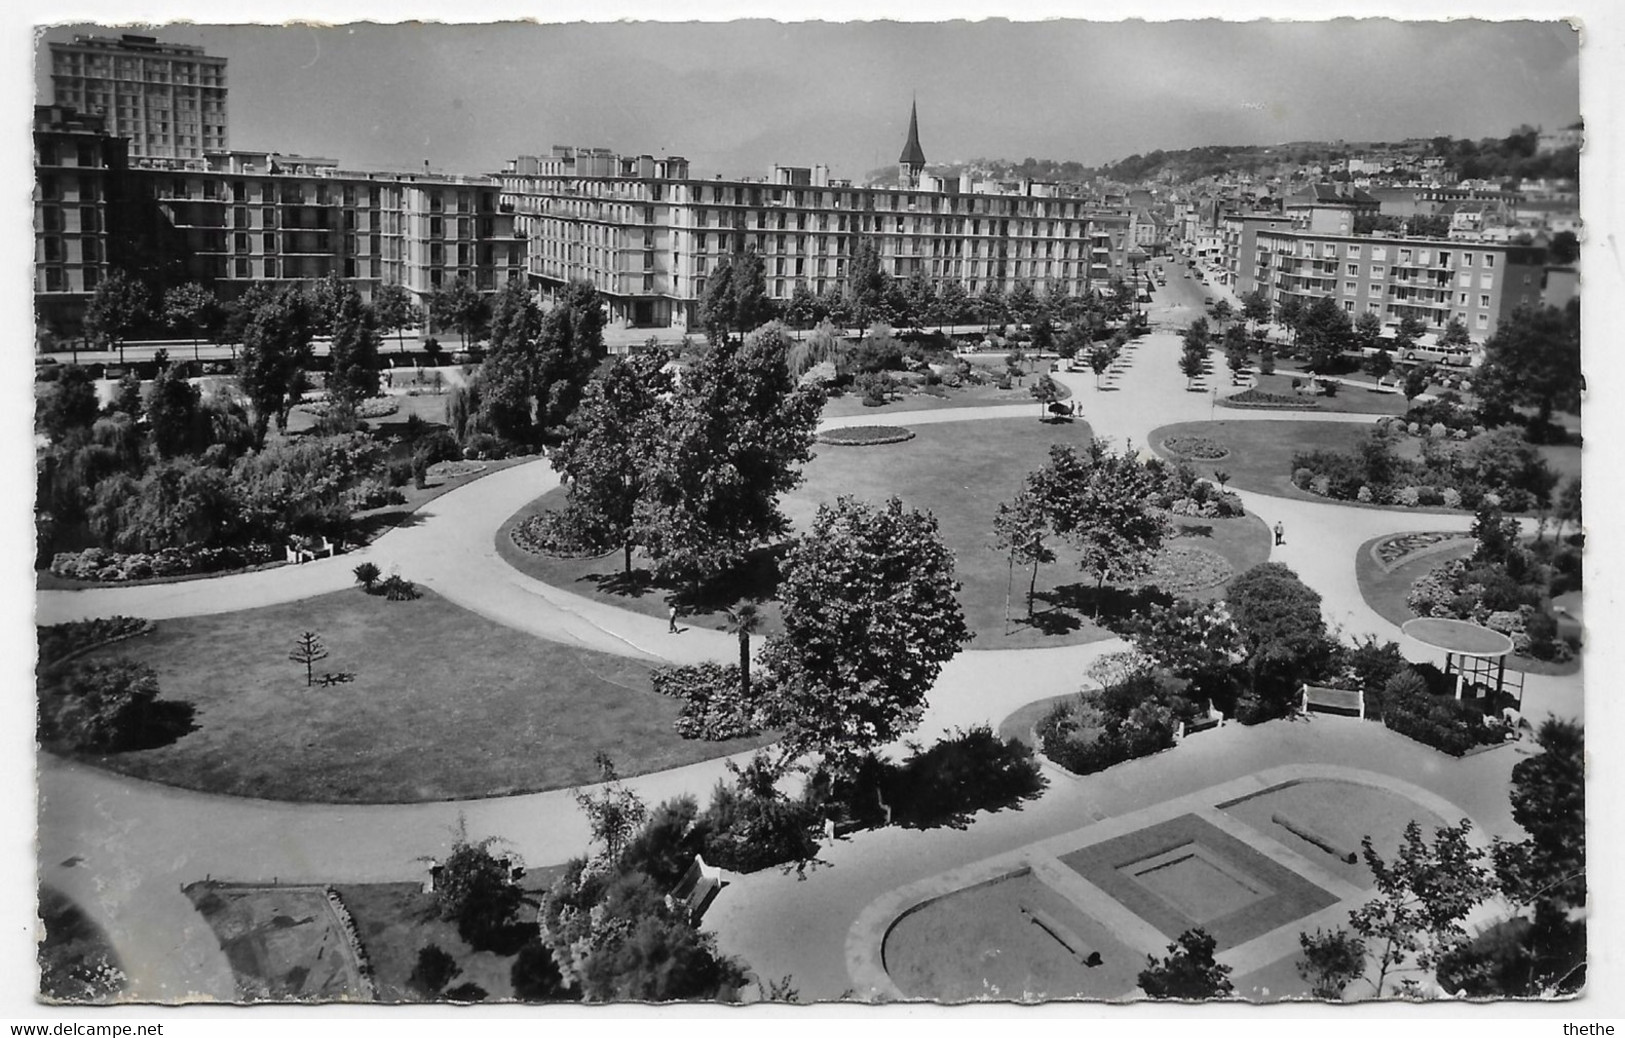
[(168, 100)]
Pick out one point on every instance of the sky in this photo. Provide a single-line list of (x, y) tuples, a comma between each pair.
[(735, 97)]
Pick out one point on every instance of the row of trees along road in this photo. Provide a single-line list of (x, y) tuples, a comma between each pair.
[(123, 305), (736, 299)]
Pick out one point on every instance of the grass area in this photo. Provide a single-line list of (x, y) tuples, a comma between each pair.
[(77, 962), (1385, 592), (960, 473), (444, 704), (1019, 725), (395, 921), (848, 404)]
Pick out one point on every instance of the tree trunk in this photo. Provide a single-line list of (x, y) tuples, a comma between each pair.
[(1032, 589), (744, 666), (626, 548)]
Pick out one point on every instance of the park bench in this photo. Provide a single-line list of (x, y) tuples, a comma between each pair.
[(1385, 386), (309, 551), (694, 893), (1345, 701)]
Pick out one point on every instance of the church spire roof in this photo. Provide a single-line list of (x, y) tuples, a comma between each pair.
[(913, 154)]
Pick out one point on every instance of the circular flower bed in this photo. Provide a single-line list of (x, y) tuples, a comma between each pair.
[(544, 535), (1183, 569), (1393, 552), (866, 435), (1198, 447)]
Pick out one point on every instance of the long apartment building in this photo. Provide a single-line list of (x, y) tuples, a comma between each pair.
[(1429, 279), (235, 219), (167, 99), (648, 235)]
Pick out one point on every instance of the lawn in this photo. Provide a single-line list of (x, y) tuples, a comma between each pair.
[(960, 473), (848, 404), (443, 705), (1260, 457), (395, 921), (285, 944), (1385, 592)]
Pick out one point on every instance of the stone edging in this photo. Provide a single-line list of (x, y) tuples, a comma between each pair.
[(865, 941)]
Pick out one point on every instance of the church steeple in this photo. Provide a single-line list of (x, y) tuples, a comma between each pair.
[(911, 163)]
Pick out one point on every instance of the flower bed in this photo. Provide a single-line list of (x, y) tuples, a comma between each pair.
[(1260, 398), (1393, 552), (1183, 569), (59, 643), (544, 534), (712, 707), (1198, 448), (378, 407), (455, 469), (101, 565), (865, 435)]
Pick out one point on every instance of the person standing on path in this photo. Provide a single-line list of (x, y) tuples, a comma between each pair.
[(671, 620), (1280, 533)]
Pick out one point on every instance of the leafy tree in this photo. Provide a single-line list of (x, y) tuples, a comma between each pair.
[(1046, 392), (1101, 504), (1417, 380), (191, 308), (1367, 330), (354, 349), (127, 397), (1455, 335), (1409, 332), (607, 454), (953, 302), (1022, 302), (734, 440), (614, 813), (571, 345), (276, 352), (1189, 970), (309, 650), (119, 305), (990, 305), (511, 377), (868, 286), (1331, 962), (1380, 364), (920, 299), (325, 296), (870, 616), (1288, 312), (396, 310), (174, 416), (1548, 801), (475, 888), (459, 306), (1019, 528), (1192, 362), (801, 309), (1414, 920), (1222, 311), (1282, 632), (71, 403), (1255, 306), (1534, 357), (1196, 641), (752, 306), (1324, 328), (1100, 358)]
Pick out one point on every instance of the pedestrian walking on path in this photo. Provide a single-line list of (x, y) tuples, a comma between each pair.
[(671, 620), (1280, 533)]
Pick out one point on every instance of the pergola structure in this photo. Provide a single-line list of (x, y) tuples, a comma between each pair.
[(1473, 654)]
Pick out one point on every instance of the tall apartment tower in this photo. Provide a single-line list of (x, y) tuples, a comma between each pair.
[(911, 163), (167, 99)]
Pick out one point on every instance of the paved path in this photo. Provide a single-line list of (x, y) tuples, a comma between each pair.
[(127, 845)]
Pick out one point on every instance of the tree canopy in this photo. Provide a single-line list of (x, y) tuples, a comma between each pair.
[(870, 617)]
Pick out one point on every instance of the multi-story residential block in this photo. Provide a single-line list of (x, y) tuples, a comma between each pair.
[(1429, 279), (1330, 208), (647, 235), (237, 219), (1238, 238), (168, 99), (77, 167)]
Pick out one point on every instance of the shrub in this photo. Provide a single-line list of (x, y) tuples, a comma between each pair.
[(535, 976), (59, 642), (1440, 721), (400, 471), (374, 493), (466, 992), (953, 779), (1450, 497), (1363, 494), (1410, 497), (1321, 485), (396, 588), (712, 705), (750, 826), (435, 968), (366, 574), (106, 707), (483, 445), (1301, 477), (1429, 496)]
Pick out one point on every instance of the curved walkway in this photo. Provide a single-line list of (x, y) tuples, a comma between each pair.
[(134, 842)]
